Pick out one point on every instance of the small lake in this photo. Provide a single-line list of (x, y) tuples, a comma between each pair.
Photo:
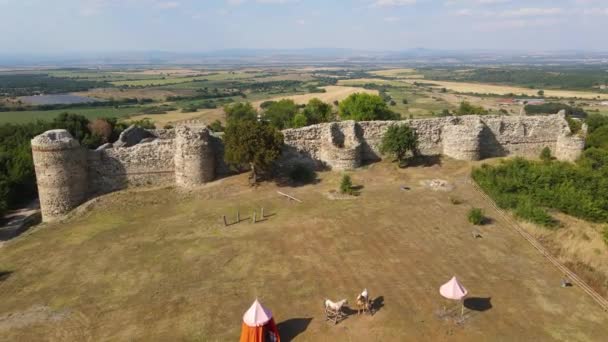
[(56, 99)]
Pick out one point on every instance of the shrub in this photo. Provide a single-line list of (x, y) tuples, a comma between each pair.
[(476, 216), (216, 126), (466, 108), (528, 211), (455, 201), (545, 154), (575, 125), (301, 174), (346, 185)]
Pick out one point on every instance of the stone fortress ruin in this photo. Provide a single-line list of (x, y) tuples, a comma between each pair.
[(191, 155)]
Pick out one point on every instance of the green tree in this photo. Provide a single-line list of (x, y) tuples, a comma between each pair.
[(299, 120), (281, 113), (252, 143), (398, 141), (346, 185), (317, 111), (365, 107), (240, 111), (541, 93), (466, 108)]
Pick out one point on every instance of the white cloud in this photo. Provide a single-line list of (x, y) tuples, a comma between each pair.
[(532, 11)]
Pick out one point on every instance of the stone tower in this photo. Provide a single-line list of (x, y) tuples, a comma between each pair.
[(461, 140), (194, 157), (61, 173)]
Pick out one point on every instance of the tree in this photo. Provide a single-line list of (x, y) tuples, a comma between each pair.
[(541, 93), (404, 101), (252, 143), (280, 114), (398, 141), (317, 111), (102, 129), (346, 185), (365, 107), (466, 108), (240, 111)]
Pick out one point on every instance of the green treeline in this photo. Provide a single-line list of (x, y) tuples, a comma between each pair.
[(31, 84)]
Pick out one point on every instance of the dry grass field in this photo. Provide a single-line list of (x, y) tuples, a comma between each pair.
[(158, 265)]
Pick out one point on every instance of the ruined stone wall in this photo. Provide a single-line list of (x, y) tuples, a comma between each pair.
[(150, 163), (465, 138), (190, 155)]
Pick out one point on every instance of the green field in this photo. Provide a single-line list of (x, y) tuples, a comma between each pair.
[(91, 113)]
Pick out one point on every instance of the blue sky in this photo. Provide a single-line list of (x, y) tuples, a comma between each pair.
[(57, 26)]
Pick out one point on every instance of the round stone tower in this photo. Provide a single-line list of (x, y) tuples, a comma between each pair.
[(461, 139), (194, 157), (61, 173)]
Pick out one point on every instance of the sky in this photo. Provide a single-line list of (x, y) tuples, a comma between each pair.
[(63, 26)]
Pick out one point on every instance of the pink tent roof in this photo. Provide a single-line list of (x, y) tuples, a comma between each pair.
[(257, 315), (453, 289)]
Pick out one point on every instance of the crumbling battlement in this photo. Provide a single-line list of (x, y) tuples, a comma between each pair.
[(191, 155)]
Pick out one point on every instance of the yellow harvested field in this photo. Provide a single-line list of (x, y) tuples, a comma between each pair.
[(333, 93), (393, 72), (176, 116), (482, 88)]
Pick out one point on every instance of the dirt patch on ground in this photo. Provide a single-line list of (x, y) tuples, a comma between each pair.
[(35, 315)]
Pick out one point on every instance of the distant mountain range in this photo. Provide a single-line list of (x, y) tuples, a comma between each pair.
[(320, 56)]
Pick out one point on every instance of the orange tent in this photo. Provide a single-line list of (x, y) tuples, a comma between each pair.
[(258, 325)]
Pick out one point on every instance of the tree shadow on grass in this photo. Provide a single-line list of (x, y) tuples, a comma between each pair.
[(424, 161), (478, 303), (291, 328)]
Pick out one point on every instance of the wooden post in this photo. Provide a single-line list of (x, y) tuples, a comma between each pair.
[(254, 217), (238, 216), (262, 214), (225, 222)]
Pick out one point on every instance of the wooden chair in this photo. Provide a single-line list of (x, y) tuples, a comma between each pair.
[(333, 315)]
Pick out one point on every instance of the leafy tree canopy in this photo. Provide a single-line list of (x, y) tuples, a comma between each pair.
[(365, 107), (317, 111), (466, 108), (240, 111), (398, 141), (280, 114), (253, 143)]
